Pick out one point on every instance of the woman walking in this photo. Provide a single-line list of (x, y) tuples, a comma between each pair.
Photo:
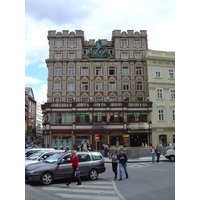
[(113, 156), (153, 152), (75, 166)]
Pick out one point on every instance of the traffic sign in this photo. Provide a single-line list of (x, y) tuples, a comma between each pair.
[(97, 137)]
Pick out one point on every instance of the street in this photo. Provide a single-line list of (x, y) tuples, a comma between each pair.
[(146, 181)]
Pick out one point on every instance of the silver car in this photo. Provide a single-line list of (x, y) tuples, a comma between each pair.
[(56, 167), (30, 151), (40, 156)]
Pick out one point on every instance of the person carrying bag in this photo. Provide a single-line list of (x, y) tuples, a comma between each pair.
[(75, 166)]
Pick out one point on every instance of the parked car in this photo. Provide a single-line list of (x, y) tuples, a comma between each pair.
[(170, 154), (30, 151), (91, 164), (40, 156)]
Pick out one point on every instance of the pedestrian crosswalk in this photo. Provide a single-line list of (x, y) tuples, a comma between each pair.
[(89, 190), (139, 165)]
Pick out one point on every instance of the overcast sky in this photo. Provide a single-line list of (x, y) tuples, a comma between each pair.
[(97, 19)]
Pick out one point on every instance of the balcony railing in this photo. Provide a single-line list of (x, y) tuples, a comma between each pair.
[(96, 104)]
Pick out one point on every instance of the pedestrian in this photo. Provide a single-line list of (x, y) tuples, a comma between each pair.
[(105, 150), (122, 157), (85, 146), (75, 166), (158, 151), (153, 152), (113, 156)]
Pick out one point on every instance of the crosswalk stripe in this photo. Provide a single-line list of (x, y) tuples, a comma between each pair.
[(88, 197), (78, 190)]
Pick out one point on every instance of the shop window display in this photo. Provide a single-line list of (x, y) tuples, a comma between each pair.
[(61, 142)]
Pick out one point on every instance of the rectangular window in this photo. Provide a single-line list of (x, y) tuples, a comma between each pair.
[(125, 85), (84, 99), (157, 72), (137, 55), (172, 93), (138, 71), (71, 71), (159, 93), (111, 71), (112, 99), (57, 71), (112, 86), (137, 43), (161, 115), (70, 86), (59, 43), (84, 71), (84, 86), (57, 100), (124, 43), (173, 115), (78, 117), (58, 56), (98, 99), (98, 86), (124, 55), (57, 86), (130, 117), (72, 43), (139, 85), (140, 99), (126, 99), (125, 71), (171, 73), (71, 56), (98, 71)]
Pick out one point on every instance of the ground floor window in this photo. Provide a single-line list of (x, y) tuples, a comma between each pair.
[(61, 142), (80, 140), (116, 141), (137, 139), (163, 140)]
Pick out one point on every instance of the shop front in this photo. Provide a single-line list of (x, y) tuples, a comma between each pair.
[(61, 140), (81, 138), (116, 139)]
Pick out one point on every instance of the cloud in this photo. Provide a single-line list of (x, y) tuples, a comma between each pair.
[(40, 93), (59, 12), (30, 80)]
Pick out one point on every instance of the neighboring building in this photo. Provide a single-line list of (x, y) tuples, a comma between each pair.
[(31, 115), (39, 127), (161, 83), (97, 88)]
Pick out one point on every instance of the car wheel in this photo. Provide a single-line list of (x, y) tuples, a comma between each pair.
[(93, 175), (172, 158), (46, 178)]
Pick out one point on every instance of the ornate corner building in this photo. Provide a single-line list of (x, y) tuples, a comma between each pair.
[(97, 88)]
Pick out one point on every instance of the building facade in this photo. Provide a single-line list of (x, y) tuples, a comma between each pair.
[(30, 116), (97, 88), (39, 127), (161, 84)]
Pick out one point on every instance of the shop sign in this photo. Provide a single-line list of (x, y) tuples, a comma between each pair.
[(98, 127), (138, 126), (126, 136)]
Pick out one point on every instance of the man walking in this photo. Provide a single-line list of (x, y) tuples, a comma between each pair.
[(122, 157)]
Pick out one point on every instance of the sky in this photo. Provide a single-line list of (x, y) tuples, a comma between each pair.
[(97, 19)]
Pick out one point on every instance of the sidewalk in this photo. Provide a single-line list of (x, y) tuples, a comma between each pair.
[(137, 160)]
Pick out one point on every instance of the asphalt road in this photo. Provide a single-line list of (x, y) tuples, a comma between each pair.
[(146, 181)]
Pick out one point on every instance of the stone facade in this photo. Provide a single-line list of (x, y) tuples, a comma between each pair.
[(97, 87), (161, 84)]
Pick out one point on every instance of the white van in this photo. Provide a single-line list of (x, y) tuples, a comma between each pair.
[(170, 154)]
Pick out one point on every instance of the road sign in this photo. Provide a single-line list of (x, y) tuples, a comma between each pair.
[(97, 137)]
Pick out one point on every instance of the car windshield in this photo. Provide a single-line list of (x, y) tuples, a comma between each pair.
[(35, 156), (54, 158)]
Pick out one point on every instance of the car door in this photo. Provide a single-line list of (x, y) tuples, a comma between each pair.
[(63, 169), (84, 163)]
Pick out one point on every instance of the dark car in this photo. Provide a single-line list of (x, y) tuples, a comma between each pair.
[(56, 167)]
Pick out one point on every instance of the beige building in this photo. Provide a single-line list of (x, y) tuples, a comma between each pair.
[(161, 84), (97, 87)]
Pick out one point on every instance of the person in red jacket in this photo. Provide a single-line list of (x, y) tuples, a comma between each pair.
[(75, 166)]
